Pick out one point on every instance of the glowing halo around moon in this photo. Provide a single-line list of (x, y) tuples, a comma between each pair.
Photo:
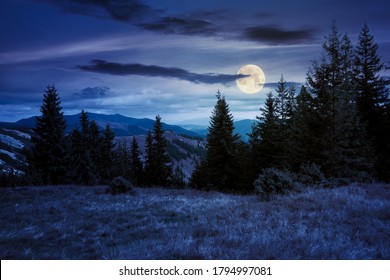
[(254, 81)]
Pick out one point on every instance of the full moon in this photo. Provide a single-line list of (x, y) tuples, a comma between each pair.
[(254, 81)]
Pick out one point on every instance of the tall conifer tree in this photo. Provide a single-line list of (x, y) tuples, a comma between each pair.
[(136, 167), (163, 162), (338, 146), (47, 157), (222, 149), (373, 98)]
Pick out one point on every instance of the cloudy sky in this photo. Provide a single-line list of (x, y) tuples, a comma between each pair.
[(141, 58)]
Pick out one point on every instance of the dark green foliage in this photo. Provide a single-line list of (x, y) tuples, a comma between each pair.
[(373, 99), (107, 146), (310, 174), (158, 165), (270, 141), (273, 180), (84, 169), (300, 148), (222, 149), (47, 156), (91, 153), (178, 178), (149, 161), (122, 158), (327, 124), (199, 177), (269, 134), (136, 166), (336, 130), (120, 185)]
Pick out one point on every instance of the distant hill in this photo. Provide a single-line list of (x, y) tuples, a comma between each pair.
[(242, 128), (121, 125)]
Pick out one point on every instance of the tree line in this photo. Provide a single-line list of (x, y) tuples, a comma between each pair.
[(337, 128), (90, 156)]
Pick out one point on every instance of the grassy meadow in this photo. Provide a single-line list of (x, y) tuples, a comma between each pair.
[(77, 222)]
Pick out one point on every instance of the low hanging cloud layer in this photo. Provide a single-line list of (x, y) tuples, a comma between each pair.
[(113, 68)]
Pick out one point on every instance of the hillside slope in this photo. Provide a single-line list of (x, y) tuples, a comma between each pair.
[(184, 150)]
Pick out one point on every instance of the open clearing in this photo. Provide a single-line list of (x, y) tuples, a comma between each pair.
[(78, 222)]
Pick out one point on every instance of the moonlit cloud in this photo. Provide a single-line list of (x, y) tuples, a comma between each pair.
[(120, 10), (113, 68), (165, 57)]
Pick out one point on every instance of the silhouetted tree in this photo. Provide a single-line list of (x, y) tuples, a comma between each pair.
[(48, 151), (136, 166), (163, 162), (266, 136), (373, 98), (84, 169), (150, 161), (107, 154), (199, 177), (222, 149), (339, 147), (158, 165), (122, 160)]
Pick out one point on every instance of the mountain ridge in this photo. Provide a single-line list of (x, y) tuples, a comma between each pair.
[(120, 124), (129, 126)]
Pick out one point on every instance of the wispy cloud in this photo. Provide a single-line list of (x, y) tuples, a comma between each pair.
[(179, 25), (94, 92), (120, 10), (217, 23), (113, 68)]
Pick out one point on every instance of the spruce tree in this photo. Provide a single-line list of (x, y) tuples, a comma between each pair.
[(222, 149), (199, 177), (136, 166), (163, 162), (122, 160), (269, 134), (84, 170), (335, 126), (106, 160), (150, 162), (302, 147), (282, 100), (48, 151), (373, 98)]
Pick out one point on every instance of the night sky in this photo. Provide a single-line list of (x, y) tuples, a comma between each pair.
[(141, 58)]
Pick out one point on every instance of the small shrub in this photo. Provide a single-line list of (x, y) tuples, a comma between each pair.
[(120, 185), (273, 180), (310, 174)]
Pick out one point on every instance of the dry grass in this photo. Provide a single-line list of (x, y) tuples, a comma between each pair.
[(74, 222)]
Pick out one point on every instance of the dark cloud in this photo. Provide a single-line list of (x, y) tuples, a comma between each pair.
[(177, 25), (101, 66), (277, 35), (94, 92), (120, 10)]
